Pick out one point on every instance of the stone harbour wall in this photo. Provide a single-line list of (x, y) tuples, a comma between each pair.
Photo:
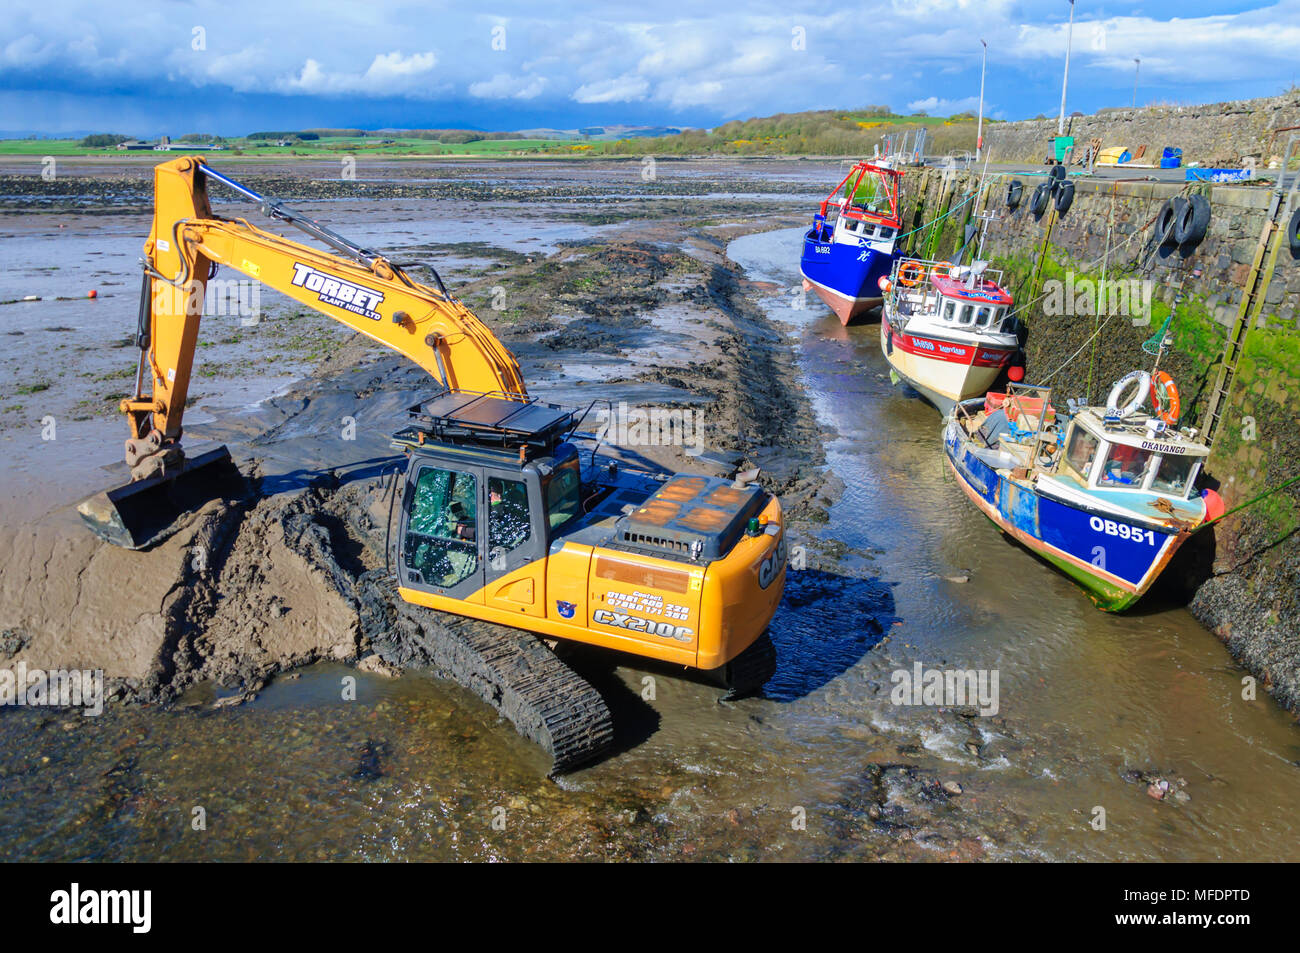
[(1216, 134)]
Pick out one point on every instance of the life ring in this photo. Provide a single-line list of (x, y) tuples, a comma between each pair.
[(1113, 409), (911, 274), (1164, 398), (1192, 222)]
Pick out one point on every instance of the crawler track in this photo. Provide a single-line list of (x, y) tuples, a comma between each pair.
[(513, 671), (750, 670)]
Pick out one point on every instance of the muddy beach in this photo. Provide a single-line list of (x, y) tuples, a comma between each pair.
[(225, 647)]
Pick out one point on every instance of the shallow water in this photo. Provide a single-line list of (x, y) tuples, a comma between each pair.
[(418, 769), (1086, 694)]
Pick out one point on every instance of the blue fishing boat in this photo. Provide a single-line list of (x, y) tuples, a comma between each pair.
[(851, 244), (1104, 494)]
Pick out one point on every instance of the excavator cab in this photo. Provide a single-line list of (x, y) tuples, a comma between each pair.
[(500, 519)]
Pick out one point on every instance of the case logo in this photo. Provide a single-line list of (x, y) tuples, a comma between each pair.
[(565, 609), (771, 567)]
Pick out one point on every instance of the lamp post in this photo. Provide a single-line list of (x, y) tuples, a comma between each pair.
[(1137, 68), (1069, 36), (979, 125)]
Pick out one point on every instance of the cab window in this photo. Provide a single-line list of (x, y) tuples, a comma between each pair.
[(949, 309), (563, 489), (1174, 474), (1125, 466), (982, 317), (1082, 451), (509, 526), (441, 533)]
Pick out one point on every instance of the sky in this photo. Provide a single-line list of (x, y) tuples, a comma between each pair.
[(239, 66)]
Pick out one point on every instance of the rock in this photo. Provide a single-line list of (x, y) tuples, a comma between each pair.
[(952, 788), (1155, 791), (960, 577), (377, 666)]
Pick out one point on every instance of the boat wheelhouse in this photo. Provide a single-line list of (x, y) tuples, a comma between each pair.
[(947, 330), (1107, 501), (851, 244)]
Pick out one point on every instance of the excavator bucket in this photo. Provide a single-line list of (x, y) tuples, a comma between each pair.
[(139, 514)]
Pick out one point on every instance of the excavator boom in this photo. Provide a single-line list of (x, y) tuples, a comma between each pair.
[(351, 284)]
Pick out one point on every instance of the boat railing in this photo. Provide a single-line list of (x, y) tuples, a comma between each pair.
[(930, 267)]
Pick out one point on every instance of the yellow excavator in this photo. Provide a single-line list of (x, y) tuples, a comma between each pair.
[(503, 518)]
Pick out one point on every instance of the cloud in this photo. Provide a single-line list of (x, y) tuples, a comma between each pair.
[(947, 107), (387, 74), (699, 66), (505, 86), (620, 89)]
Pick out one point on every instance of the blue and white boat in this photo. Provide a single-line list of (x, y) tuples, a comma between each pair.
[(846, 254), (1104, 495)]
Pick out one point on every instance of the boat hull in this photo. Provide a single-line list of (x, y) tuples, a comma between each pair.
[(846, 277), (1114, 560), (944, 372)]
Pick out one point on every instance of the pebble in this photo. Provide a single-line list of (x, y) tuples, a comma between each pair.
[(952, 787)]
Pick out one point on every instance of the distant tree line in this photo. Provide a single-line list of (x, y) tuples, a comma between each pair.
[(102, 140), (824, 132)]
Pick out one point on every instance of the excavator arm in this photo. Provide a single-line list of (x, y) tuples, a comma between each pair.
[(350, 283)]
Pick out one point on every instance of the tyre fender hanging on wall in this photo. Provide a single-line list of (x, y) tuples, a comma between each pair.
[(1193, 221), (1064, 197), (1166, 222), (1038, 201), (1015, 189), (1293, 234)]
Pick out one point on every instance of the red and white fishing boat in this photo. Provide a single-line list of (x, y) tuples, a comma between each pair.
[(947, 330)]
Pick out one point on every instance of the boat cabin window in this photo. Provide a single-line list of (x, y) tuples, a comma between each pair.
[(949, 310), (982, 316), (1175, 474), (964, 316), (1125, 466), (1082, 451), (884, 233)]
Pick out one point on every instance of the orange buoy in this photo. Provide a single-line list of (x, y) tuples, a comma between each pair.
[(884, 284), (1015, 373), (1165, 399), (92, 293), (911, 273)]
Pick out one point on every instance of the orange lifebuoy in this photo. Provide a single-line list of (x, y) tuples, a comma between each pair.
[(1164, 398), (910, 274)]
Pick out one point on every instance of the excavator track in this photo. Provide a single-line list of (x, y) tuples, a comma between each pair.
[(513, 671), (749, 671)]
